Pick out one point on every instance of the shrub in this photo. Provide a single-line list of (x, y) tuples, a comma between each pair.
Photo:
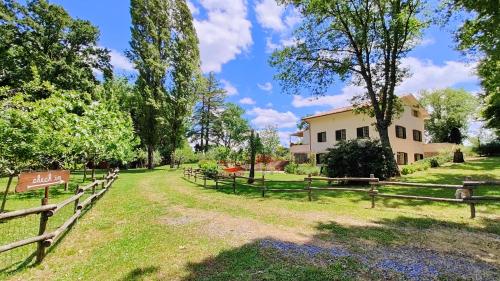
[(291, 168), (434, 163), (406, 170), (306, 169), (360, 158), (488, 149), (209, 168)]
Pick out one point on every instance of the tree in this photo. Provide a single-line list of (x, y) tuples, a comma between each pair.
[(186, 66), (231, 128), (450, 110), (41, 39), (151, 44), (211, 101), (270, 141), (360, 40), (478, 37), (254, 146)]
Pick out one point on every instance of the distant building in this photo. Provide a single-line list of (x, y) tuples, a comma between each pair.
[(326, 129)]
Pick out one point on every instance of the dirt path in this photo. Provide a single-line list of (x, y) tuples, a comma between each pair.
[(426, 258)]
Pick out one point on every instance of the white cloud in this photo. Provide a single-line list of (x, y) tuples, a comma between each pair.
[(427, 42), (269, 117), (224, 34), (269, 104), (340, 100), (120, 61), (247, 101), (427, 76), (194, 10), (230, 89), (285, 137), (269, 15), (266, 86), (279, 19)]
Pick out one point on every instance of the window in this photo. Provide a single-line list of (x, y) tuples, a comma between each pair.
[(319, 158), (417, 135), (340, 135), (418, 156), (400, 132), (415, 113), (322, 137), (363, 132), (402, 158)]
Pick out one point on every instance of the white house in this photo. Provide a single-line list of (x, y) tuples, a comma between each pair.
[(327, 128)]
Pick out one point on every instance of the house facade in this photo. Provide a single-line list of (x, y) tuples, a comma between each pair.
[(326, 129)]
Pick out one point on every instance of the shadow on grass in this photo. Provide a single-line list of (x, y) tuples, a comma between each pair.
[(140, 273), (261, 260), (274, 259)]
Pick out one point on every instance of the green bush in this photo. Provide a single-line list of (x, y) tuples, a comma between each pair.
[(209, 168), (306, 169), (302, 169), (488, 149), (434, 163), (406, 170), (422, 165), (360, 158), (291, 168)]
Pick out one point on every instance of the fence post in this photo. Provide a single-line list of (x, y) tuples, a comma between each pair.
[(11, 175), (217, 181), (44, 217), (372, 192), (77, 201), (263, 186), (469, 197), (195, 176), (234, 183), (309, 189)]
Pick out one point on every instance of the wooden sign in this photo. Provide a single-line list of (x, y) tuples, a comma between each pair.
[(35, 180)]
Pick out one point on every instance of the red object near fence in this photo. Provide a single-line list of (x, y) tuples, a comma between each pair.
[(233, 169)]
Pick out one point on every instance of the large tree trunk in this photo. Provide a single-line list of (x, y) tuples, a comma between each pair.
[(150, 157), (385, 141)]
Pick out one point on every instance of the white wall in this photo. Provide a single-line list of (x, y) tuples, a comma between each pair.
[(350, 121)]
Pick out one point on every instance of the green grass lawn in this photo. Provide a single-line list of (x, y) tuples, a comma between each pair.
[(156, 225)]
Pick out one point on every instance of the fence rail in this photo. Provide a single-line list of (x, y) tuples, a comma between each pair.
[(464, 193), (44, 238)]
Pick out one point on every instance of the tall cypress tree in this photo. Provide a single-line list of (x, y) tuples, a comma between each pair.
[(150, 46), (165, 52), (185, 72)]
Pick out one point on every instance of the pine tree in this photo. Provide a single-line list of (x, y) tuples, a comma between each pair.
[(207, 111)]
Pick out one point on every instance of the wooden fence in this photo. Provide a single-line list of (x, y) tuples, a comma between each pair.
[(464, 193), (45, 239)]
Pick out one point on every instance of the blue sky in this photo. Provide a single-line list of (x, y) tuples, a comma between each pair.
[(236, 39)]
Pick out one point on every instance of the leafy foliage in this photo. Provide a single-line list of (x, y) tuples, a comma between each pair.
[(41, 39), (488, 149), (209, 168), (361, 41), (478, 37), (360, 158), (424, 164), (63, 129), (165, 52), (450, 110)]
